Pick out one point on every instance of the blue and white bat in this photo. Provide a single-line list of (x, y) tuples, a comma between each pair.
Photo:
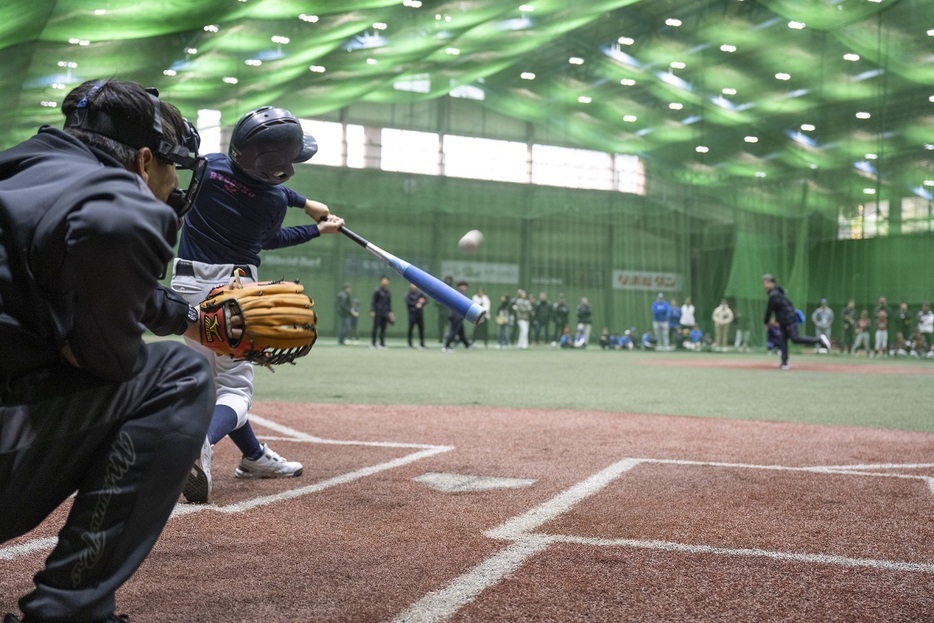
[(430, 285)]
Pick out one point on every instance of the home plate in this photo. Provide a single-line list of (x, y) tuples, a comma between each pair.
[(456, 483)]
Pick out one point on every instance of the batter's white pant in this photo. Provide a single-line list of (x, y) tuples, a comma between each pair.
[(234, 379)]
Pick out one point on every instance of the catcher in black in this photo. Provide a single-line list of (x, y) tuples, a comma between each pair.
[(86, 406), (784, 313)]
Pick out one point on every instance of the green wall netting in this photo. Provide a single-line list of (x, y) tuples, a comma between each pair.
[(619, 250)]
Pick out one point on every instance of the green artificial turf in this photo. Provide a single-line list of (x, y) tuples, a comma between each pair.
[(726, 385)]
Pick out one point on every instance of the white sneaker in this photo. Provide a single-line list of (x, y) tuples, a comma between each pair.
[(269, 465), (198, 488), (825, 341)]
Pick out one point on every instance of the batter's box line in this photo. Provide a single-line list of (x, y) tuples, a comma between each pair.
[(441, 604), (424, 451)]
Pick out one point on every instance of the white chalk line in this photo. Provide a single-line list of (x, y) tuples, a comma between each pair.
[(426, 450), (439, 605)]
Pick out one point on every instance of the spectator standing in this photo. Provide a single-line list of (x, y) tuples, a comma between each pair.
[(674, 324), (849, 326), (541, 319), (881, 343), (481, 331), (882, 313), (687, 319), (456, 331), (926, 321), (822, 317), (381, 313), (722, 319), (505, 319), (415, 302), (781, 309), (522, 307), (661, 309), (904, 321), (561, 313), (585, 317), (344, 316), (863, 328)]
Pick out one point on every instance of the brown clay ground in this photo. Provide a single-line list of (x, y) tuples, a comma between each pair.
[(617, 517)]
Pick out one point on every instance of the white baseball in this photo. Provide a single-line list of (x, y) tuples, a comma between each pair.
[(470, 241)]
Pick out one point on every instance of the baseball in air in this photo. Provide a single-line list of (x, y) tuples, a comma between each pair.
[(470, 242)]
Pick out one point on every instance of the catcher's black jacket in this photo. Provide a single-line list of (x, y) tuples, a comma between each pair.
[(67, 215)]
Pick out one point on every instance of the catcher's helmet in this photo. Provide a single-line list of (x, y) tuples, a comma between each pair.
[(265, 143)]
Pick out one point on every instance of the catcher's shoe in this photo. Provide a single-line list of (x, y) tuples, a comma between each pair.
[(198, 488), (268, 465)]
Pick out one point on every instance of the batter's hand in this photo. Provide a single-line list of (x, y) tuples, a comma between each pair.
[(330, 224)]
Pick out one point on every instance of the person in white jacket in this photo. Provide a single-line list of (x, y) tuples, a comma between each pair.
[(722, 319)]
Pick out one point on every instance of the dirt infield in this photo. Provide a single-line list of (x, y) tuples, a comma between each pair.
[(409, 513)]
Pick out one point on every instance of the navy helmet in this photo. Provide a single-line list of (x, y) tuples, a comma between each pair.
[(267, 141)]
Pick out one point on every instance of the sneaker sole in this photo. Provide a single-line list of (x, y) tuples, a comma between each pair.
[(239, 473), (196, 490)]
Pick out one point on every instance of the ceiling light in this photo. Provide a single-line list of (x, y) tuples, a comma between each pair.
[(452, 51), (807, 127), (527, 75), (371, 61), (230, 80), (672, 22), (751, 139), (812, 166), (253, 62), (627, 82), (849, 56), (625, 41), (863, 115), (526, 8), (212, 28), (76, 41), (931, 99), (100, 11), (318, 69), (191, 51), (728, 91), (380, 26), (869, 191), (305, 17), (576, 60), (929, 146), (630, 118), (782, 76), (583, 99), (871, 156), (169, 72), (702, 149), (760, 173), (279, 39), (415, 4), (48, 104), (931, 33), (796, 25), (677, 65), (57, 85), (67, 64), (928, 182), (675, 106), (727, 48)]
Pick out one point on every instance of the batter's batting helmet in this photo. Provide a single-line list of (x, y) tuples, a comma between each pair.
[(267, 141)]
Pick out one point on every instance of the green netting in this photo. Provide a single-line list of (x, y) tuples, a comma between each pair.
[(577, 243)]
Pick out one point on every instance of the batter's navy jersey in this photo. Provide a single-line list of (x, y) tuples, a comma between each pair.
[(235, 217)]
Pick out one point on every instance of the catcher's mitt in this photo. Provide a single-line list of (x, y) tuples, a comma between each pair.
[(278, 321)]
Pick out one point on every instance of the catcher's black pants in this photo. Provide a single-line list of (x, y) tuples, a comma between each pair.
[(124, 447)]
